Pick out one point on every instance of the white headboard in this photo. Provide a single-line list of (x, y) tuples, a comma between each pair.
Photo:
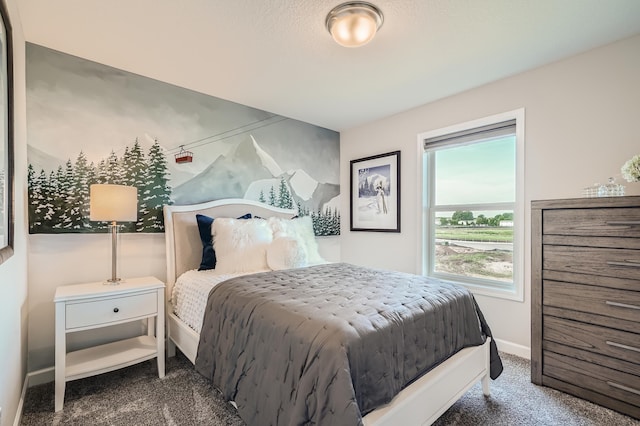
[(183, 244)]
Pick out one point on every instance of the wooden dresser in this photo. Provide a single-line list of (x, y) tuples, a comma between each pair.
[(585, 299)]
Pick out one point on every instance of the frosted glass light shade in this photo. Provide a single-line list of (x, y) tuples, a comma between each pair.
[(354, 24), (113, 203)]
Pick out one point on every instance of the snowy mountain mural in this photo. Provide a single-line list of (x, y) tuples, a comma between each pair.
[(90, 123), (248, 171)]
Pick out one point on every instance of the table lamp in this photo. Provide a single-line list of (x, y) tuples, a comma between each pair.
[(113, 203)]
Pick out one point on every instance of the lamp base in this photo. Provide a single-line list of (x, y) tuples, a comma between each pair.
[(113, 281)]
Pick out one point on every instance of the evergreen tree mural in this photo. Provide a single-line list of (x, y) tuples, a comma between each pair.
[(55, 197), (35, 194), (65, 202), (79, 194), (284, 196), (272, 196), (59, 202), (155, 193)]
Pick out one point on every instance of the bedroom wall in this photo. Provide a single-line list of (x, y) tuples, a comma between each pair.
[(13, 272), (580, 127)]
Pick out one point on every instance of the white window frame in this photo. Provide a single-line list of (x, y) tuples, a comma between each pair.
[(425, 222)]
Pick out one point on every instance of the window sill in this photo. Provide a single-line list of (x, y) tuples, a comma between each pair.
[(515, 294)]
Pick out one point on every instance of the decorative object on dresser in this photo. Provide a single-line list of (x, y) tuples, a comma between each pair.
[(113, 203), (89, 306), (631, 169), (585, 299)]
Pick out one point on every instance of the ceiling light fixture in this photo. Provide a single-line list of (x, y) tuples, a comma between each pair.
[(354, 24)]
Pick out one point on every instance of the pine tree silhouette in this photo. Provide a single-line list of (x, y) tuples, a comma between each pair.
[(155, 193)]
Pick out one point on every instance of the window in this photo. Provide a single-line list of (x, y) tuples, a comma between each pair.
[(472, 222)]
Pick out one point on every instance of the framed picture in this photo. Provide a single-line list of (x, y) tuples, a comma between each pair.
[(375, 193), (6, 138)]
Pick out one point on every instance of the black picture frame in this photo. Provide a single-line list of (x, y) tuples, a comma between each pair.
[(7, 189), (375, 193)]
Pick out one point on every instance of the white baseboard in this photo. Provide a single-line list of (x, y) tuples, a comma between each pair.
[(34, 378), (39, 377), (513, 349), (25, 385)]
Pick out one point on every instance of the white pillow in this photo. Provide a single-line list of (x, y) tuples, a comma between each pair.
[(241, 245), (286, 253), (300, 228)]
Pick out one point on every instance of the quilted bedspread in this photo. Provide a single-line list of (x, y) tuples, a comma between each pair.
[(327, 344)]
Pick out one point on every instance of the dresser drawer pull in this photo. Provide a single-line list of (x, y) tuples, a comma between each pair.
[(624, 223), (621, 305), (624, 388), (629, 263), (116, 310), (620, 345)]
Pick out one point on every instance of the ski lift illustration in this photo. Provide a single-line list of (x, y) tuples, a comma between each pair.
[(184, 156)]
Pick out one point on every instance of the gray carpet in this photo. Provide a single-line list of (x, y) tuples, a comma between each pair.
[(135, 396)]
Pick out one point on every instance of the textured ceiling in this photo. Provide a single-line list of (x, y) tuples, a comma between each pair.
[(276, 55)]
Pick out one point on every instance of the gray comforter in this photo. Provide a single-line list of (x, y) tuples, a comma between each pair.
[(327, 344)]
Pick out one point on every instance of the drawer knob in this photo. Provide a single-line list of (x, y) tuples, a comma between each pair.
[(116, 310)]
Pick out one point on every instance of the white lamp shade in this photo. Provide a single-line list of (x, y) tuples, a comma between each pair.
[(113, 203)]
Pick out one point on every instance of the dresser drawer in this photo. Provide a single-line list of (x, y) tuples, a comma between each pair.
[(601, 340), (606, 262), (621, 304), (606, 381), (104, 311), (599, 222)]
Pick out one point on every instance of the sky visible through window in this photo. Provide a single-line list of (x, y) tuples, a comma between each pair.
[(479, 173)]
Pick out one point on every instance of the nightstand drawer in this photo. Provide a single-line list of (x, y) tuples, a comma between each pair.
[(102, 312)]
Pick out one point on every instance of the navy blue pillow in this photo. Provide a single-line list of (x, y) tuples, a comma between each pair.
[(208, 254)]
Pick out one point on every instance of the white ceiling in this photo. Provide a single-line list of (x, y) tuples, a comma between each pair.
[(276, 55)]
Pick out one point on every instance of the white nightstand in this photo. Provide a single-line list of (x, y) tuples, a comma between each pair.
[(94, 305)]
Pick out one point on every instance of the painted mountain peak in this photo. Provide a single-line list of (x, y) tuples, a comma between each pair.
[(250, 172)]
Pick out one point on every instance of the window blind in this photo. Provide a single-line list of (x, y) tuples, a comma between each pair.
[(476, 134)]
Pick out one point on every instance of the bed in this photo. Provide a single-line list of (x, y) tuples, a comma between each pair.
[(422, 401)]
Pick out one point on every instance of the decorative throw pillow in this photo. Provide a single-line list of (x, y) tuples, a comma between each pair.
[(300, 228), (204, 228), (286, 253), (241, 245)]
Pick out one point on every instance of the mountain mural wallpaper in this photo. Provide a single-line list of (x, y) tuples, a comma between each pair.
[(89, 123)]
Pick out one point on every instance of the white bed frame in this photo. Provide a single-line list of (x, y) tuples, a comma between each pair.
[(421, 403)]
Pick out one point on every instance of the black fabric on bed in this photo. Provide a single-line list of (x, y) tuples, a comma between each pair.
[(204, 229), (329, 343)]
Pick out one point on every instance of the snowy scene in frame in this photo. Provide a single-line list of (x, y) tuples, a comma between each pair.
[(91, 123), (375, 193)]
